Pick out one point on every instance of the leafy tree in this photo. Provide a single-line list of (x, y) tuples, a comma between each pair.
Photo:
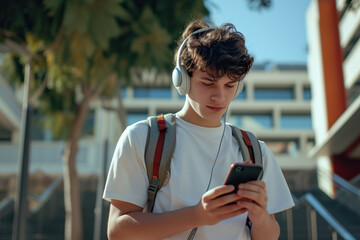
[(78, 51)]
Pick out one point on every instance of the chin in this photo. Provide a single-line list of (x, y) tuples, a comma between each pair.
[(212, 117)]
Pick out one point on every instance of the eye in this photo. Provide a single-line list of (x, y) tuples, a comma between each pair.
[(207, 84), (230, 85)]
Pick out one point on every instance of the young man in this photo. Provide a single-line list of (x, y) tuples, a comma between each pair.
[(215, 61)]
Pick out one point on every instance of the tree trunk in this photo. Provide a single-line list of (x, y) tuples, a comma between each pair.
[(73, 216)]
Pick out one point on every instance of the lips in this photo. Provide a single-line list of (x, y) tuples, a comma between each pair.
[(215, 109)]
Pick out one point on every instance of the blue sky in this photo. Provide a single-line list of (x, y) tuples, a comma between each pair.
[(277, 34)]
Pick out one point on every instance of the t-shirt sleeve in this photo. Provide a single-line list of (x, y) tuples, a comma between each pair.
[(127, 177), (277, 190)]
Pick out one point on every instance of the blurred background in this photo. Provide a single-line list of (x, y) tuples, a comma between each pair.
[(75, 73)]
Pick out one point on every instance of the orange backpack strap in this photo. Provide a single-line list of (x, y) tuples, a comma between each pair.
[(159, 148), (249, 146)]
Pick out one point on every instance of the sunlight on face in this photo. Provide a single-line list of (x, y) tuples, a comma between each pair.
[(208, 98)]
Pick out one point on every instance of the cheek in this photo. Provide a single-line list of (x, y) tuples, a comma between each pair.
[(232, 93), (198, 92)]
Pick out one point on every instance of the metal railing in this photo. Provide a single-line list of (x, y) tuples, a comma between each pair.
[(44, 209), (6, 206), (6, 218), (46, 194), (39, 210), (314, 208), (339, 181)]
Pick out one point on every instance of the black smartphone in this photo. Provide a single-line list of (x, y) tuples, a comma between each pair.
[(242, 173)]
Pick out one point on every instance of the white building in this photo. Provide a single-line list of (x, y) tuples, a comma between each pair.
[(275, 106)]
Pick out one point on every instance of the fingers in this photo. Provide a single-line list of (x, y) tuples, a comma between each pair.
[(218, 204), (219, 196), (253, 192), (218, 191), (222, 202)]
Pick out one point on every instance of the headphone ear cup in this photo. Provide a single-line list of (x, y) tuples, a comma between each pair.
[(239, 88), (176, 77), (181, 80)]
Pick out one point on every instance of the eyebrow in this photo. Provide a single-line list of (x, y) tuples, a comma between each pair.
[(214, 80), (233, 81), (209, 79)]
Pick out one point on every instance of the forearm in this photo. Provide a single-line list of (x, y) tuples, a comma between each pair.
[(127, 221), (267, 228), (143, 225)]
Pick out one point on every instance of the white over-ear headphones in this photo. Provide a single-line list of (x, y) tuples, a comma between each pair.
[(181, 78)]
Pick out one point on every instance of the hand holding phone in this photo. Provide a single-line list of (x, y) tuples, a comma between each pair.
[(242, 173)]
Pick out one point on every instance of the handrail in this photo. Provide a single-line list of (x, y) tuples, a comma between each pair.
[(320, 209), (46, 194), (345, 184), (6, 206), (341, 182)]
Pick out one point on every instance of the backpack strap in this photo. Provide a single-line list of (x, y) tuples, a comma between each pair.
[(248, 145), (159, 149)]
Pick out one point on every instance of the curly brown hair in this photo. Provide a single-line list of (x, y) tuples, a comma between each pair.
[(218, 51)]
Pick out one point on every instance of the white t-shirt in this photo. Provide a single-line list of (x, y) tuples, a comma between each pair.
[(193, 159)]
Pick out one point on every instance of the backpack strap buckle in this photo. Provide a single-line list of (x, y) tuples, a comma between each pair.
[(152, 191)]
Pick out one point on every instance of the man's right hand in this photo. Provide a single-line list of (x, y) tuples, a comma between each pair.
[(215, 205)]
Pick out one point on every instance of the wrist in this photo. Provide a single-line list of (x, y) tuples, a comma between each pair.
[(262, 220), (196, 218)]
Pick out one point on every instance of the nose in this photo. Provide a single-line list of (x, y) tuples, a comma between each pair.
[(218, 94)]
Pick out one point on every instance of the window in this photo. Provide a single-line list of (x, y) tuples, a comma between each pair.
[(152, 93), (274, 93), (5, 135), (296, 121), (307, 93), (135, 116), (310, 143), (252, 120), (283, 146)]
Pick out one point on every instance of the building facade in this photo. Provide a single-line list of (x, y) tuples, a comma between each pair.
[(334, 71), (275, 105)]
